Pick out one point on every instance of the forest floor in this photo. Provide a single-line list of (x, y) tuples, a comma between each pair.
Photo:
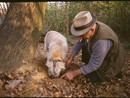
[(31, 80)]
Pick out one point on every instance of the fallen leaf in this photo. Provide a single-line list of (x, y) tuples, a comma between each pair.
[(57, 94), (12, 83)]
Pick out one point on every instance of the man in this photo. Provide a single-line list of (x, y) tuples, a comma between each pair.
[(102, 52)]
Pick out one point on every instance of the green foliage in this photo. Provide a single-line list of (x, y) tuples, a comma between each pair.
[(114, 13), (69, 39)]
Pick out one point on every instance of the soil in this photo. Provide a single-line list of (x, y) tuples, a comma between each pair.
[(31, 80)]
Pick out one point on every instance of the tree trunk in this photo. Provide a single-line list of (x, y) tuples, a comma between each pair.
[(19, 33), (4, 7), (67, 18), (7, 4)]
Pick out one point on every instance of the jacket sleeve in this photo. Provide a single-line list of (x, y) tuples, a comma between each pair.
[(100, 50), (78, 45)]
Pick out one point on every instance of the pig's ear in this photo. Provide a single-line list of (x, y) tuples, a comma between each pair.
[(48, 64)]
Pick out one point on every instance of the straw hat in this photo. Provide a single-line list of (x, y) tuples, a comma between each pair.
[(82, 23)]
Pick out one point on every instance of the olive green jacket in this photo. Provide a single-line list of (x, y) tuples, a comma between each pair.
[(114, 60)]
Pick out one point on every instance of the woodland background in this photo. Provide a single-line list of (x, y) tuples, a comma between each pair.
[(59, 15), (22, 25)]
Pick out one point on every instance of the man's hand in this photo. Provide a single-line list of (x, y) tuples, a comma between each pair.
[(68, 62), (71, 74), (68, 75)]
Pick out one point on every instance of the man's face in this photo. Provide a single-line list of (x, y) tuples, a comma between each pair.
[(88, 34)]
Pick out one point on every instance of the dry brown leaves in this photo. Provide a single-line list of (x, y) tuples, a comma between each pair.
[(32, 80)]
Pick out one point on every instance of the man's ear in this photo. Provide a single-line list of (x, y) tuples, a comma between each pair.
[(92, 29)]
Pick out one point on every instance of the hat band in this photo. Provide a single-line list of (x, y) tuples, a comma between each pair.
[(84, 26)]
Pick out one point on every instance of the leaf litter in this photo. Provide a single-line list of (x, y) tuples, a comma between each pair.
[(31, 80)]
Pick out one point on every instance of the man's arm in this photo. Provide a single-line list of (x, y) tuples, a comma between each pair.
[(100, 50), (78, 45)]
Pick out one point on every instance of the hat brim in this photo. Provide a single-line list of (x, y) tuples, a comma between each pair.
[(81, 32)]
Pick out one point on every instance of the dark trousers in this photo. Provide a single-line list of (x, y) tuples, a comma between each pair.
[(93, 76)]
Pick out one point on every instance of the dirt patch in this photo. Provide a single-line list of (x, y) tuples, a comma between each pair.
[(31, 80)]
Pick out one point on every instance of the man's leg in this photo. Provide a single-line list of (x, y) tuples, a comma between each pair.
[(119, 75), (93, 77)]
